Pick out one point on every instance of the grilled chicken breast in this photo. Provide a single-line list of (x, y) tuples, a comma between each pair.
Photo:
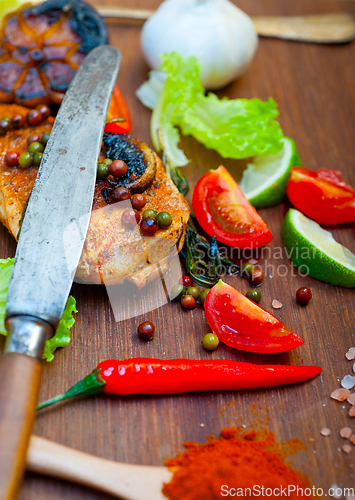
[(112, 252)]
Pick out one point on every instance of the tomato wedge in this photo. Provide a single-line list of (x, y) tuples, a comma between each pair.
[(242, 324), (223, 211), (118, 109), (322, 196)]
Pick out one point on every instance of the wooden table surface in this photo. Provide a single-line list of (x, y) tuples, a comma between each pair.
[(315, 89)]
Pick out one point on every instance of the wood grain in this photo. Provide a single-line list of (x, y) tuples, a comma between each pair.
[(20, 377), (315, 89)]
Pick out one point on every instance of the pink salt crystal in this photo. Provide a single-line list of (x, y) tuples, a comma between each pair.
[(351, 399), (276, 304), (326, 432), (346, 432), (354, 367), (253, 261), (352, 411), (346, 448), (340, 394), (350, 355), (352, 439)]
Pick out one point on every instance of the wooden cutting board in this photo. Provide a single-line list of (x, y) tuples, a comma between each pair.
[(315, 89)]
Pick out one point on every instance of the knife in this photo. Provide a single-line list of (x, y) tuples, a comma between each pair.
[(42, 274)]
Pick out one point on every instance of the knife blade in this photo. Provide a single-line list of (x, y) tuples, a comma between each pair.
[(42, 276)]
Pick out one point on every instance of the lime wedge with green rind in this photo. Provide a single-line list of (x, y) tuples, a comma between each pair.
[(315, 252), (265, 180)]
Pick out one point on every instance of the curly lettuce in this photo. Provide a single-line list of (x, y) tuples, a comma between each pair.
[(235, 128), (61, 337)]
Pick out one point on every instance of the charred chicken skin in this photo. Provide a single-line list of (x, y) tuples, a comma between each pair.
[(112, 251)]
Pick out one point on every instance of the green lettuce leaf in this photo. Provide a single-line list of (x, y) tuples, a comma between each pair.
[(61, 337), (235, 128), (148, 93), (5, 275)]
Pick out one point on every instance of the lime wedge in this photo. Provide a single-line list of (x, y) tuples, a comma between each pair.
[(265, 180), (315, 252)]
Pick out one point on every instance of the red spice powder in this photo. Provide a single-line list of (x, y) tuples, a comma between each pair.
[(235, 460)]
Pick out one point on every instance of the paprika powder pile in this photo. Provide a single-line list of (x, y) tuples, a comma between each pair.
[(236, 465)]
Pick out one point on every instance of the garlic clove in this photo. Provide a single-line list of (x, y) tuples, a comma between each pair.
[(220, 35)]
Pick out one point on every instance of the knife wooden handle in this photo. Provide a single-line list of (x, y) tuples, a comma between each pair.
[(19, 386)]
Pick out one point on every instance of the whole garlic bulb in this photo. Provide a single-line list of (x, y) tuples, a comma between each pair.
[(220, 35)]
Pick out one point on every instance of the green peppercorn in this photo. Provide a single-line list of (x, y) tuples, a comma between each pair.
[(6, 118), (35, 147), (102, 171), (37, 158), (164, 219), (203, 295), (177, 292), (254, 295), (45, 138), (247, 269), (210, 341), (25, 160), (193, 291), (107, 161), (149, 213)]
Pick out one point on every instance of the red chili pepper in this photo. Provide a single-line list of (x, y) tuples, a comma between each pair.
[(175, 376), (118, 109), (244, 325), (322, 196), (223, 211)]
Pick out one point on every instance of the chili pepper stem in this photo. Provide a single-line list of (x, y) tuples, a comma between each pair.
[(91, 384)]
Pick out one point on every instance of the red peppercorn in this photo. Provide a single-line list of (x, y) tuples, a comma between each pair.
[(44, 110), (121, 194), (11, 158), (130, 218), (33, 138), (303, 295), (118, 168), (34, 117), (146, 330), (149, 226), (256, 277), (187, 281), (138, 201), (188, 301), (18, 121)]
